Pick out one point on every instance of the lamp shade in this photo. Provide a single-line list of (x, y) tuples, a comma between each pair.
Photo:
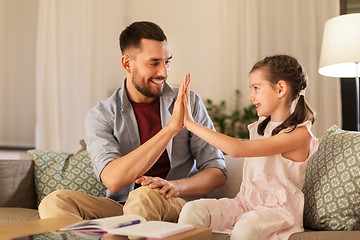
[(340, 49)]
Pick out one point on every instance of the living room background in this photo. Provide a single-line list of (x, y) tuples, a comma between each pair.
[(61, 58)]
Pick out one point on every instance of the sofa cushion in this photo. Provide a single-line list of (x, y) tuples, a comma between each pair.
[(231, 188), (17, 215), (17, 183), (332, 183), (59, 170)]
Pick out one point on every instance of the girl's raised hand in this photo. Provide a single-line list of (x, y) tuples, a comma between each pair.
[(176, 122), (186, 99)]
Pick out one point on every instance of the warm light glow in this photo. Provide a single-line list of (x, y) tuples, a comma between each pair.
[(345, 70), (341, 46)]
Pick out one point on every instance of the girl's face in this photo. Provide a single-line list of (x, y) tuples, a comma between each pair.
[(263, 94)]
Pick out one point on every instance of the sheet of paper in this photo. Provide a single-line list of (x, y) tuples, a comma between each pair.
[(153, 229)]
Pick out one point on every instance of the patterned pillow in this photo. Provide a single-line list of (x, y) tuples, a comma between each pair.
[(332, 183), (58, 170)]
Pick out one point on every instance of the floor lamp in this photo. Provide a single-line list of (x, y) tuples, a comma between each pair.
[(340, 51)]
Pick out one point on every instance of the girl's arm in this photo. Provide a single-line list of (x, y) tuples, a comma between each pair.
[(293, 145)]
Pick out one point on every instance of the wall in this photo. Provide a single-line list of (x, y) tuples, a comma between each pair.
[(190, 54), (352, 6), (18, 21), (348, 93), (202, 21)]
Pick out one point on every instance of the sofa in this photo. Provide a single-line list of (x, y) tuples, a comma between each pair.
[(331, 189)]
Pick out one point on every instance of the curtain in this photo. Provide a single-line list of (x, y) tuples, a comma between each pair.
[(258, 28), (77, 64), (18, 20), (218, 41)]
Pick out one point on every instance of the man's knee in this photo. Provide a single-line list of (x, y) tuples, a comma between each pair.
[(144, 197), (145, 194), (151, 205), (195, 213), (53, 198), (56, 204)]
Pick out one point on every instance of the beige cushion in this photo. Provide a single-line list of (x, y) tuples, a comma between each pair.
[(17, 215), (234, 179), (17, 184)]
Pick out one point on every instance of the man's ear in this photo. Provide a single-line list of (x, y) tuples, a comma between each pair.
[(126, 62), (282, 87)]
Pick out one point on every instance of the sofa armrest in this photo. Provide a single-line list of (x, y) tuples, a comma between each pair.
[(232, 185), (17, 184)]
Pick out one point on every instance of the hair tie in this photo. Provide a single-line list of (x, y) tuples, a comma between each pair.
[(294, 103)]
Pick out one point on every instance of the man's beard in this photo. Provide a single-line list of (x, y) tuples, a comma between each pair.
[(145, 90)]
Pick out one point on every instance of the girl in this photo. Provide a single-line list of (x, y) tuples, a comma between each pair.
[(270, 203)]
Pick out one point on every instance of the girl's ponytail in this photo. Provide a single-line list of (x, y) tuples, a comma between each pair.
[(302, 113), (285, 67)]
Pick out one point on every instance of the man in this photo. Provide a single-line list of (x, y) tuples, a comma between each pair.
[(136, 140)]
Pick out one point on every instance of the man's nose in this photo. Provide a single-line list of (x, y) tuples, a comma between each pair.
[(163, 70)]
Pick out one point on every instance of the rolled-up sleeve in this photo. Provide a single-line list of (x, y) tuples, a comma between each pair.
[(100, 141)]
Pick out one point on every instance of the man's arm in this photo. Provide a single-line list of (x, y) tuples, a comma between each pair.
[(201, 183), (126, 169)]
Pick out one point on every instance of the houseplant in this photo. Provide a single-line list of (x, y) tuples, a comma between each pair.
[(232, 122)]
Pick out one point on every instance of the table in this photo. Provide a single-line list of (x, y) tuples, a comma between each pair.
[(16, 230)]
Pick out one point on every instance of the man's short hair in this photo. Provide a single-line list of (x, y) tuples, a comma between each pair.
[(132, 35)]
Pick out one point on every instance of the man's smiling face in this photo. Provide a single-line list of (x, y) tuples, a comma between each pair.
[(149, 70)]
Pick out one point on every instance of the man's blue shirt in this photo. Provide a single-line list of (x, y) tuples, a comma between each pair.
[(112, 132)]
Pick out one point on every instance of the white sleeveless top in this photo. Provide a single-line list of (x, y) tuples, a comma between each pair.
[(274, 181)]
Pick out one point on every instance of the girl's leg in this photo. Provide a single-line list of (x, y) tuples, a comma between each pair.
[(218, 214), (264, 223), (195, 213), (244, 231)]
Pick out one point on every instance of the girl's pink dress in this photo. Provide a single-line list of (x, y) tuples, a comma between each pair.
[(270, 197)]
